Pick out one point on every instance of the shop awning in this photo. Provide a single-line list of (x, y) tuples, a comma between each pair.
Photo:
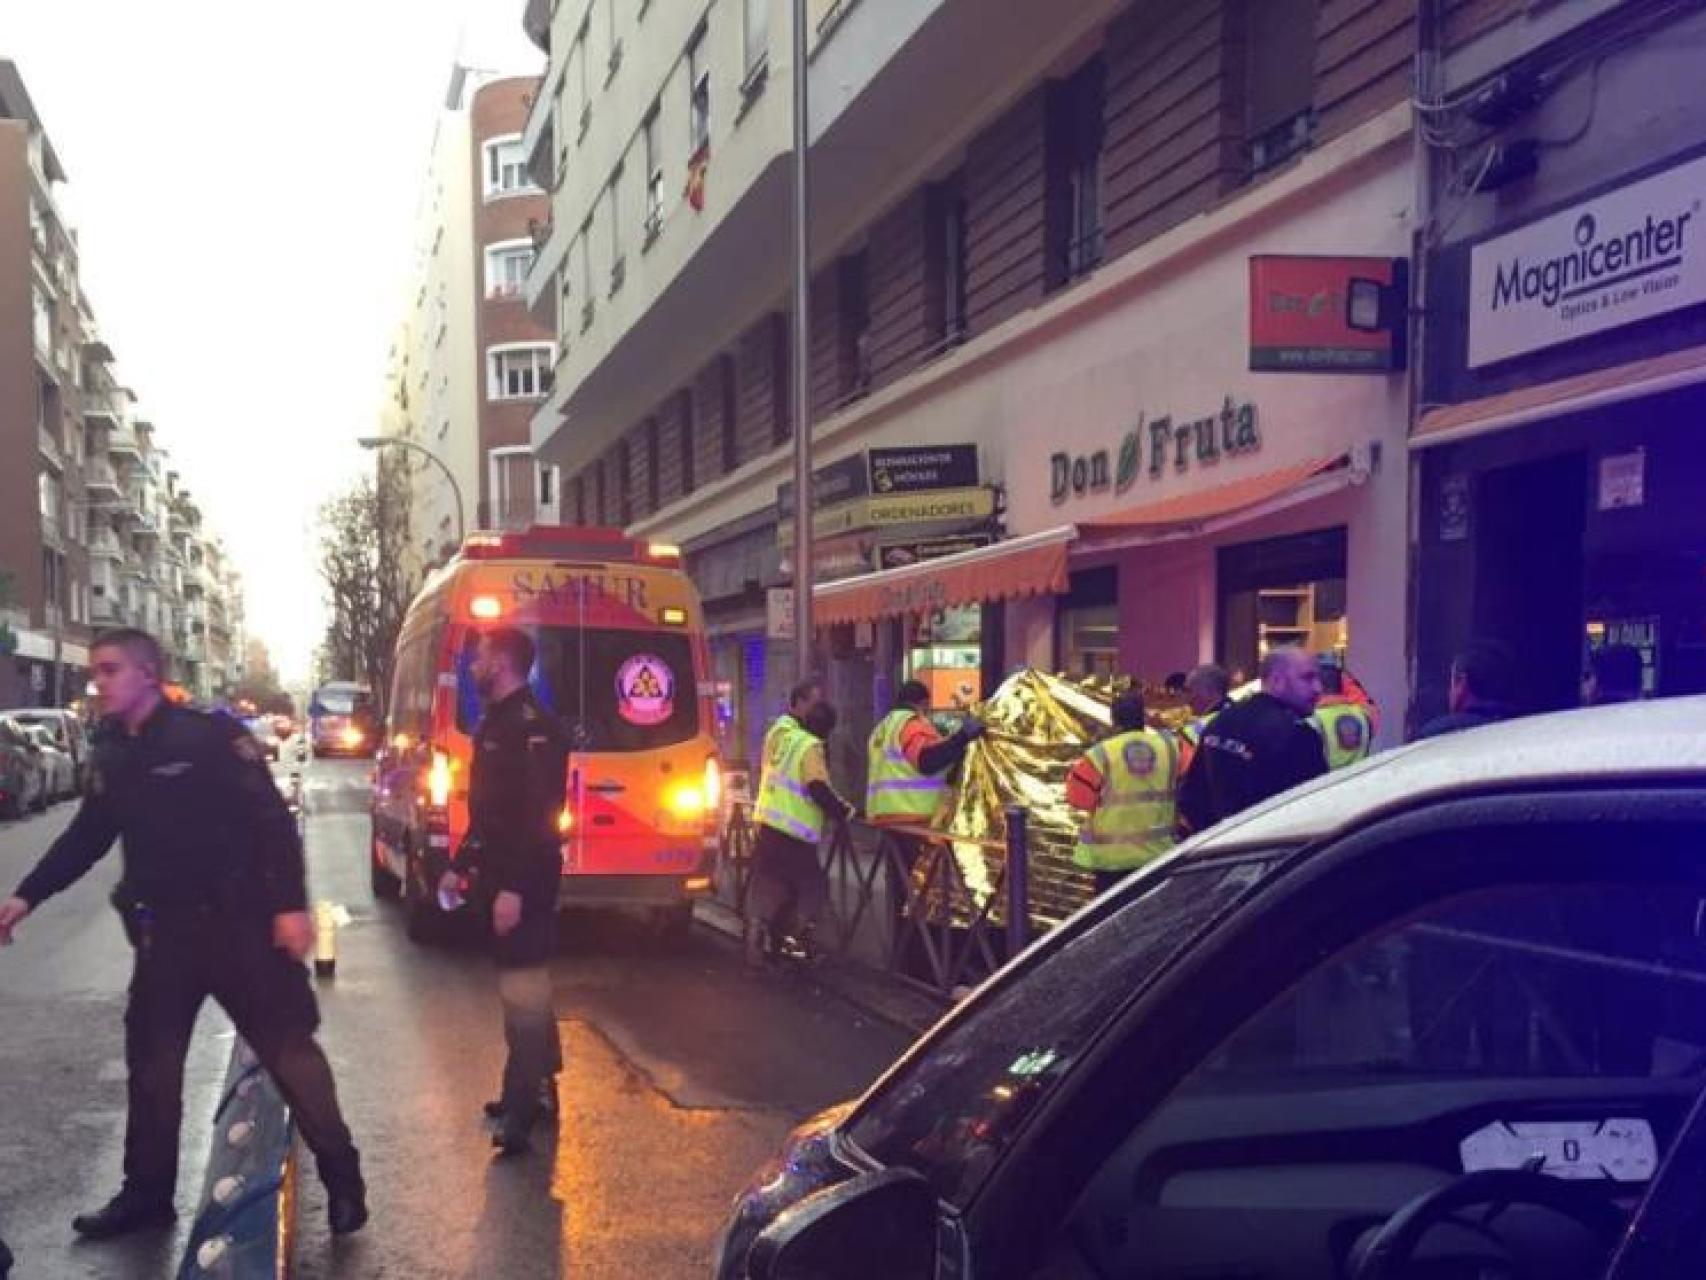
[(1594, 390), (1028, 566), (1208, 510)]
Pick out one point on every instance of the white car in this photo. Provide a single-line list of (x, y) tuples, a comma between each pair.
[(1440, 1015), (58, 765)]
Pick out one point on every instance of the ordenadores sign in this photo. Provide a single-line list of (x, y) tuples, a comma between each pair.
[(1631, 254)]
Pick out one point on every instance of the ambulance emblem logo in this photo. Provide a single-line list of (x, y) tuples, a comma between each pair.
[(1140, 758), (1348, 730), (645, 690)]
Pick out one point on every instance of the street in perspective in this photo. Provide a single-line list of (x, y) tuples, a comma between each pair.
[(827, 640)]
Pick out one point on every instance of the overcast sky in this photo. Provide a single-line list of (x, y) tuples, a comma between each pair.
[(244, 179)]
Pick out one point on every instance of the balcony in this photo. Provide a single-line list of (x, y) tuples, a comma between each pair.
[(49, 448), (122, 444), (103, 407), (106, 611), (52, 533), (100, 481), (104, 544)]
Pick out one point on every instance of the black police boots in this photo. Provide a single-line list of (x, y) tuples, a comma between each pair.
[(126, 1212), (547, 1109), (346, 1194)]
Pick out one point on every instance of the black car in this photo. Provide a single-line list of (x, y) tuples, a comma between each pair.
[(1442, 1015)]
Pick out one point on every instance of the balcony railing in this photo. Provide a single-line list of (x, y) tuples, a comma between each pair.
[(122, 443), (104, 544), (99, 479), (49, 447)]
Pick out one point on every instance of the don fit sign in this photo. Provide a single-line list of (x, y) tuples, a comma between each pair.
[(1155, 447)]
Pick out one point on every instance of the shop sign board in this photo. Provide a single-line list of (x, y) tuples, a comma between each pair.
[(1623, 480), (837, 482), (1327, 315), (880, 511), (1155, 446), (897, 555), (923, 469), (779, 613), (1640, 634), (1636, 252)]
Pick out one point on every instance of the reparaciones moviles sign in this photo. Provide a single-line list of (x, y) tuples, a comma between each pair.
[(1631, 254)]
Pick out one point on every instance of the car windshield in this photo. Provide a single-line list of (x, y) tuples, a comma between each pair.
[(953, 1111), (342, 702), (615, 690)]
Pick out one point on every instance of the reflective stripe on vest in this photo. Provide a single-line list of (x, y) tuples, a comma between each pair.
[(1347, 729), (895, 789), (1132, 823), (784, 800)]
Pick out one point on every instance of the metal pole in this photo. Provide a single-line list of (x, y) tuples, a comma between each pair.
[(803, 634), (392, 442), (1018, 881)]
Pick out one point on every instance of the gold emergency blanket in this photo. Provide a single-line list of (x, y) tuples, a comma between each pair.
[(1038, 727)]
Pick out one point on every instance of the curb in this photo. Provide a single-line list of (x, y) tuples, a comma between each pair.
[(240, 1231), (872, 993)]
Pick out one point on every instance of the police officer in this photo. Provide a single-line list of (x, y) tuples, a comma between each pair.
[(1346, 726), (214, 900), (516, 791), (1208, 688), (1126, 785), (796, 803)]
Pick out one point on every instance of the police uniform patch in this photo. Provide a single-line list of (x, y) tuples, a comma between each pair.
[(1139, 757)]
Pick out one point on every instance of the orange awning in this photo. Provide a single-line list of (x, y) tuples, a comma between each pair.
[(1028, 566), (1194, 512), (1594, 390)]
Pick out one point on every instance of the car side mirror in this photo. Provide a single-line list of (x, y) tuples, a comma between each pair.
[(879, 1224)]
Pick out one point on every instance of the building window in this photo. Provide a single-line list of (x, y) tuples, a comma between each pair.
[(1075, 174), (521, 372), (684, 403), (43, 316), (755, 29), (618, 265), (654, 469), (948, 235), (615, 45), (698, 94), (1279, 80), (654, 176), (588, 304), (506, 168), (855, 325), (547, 486), (583, 93), (507, 265)]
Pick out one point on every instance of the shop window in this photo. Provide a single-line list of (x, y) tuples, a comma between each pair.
[(1087, 636), (944, 652), (1279, 80), (1279, 593)]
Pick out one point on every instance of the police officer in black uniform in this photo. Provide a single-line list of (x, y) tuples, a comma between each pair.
[(214, 901), (516, 792)]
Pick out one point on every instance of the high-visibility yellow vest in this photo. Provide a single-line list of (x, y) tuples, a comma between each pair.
[(894, 789), (783, 800), (1347, 729), (1133, 821)]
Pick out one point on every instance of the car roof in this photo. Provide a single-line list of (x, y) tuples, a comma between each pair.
[(1637, 742)]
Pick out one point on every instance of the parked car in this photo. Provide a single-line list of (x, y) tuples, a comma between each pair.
[(59, 769), (68, 732), (23, 774), (1442, 1014)]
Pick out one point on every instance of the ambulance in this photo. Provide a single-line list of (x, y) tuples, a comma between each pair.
[(622, 664)]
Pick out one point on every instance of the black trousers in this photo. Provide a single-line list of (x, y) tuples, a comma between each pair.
[(534, 1053), (180, 962)]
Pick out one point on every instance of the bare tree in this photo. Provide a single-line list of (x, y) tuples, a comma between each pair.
[(363, 539)]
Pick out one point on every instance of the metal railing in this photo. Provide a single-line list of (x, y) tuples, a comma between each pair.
[(899, 901)]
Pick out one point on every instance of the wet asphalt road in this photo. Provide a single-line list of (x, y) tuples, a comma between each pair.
[(682, 1075)]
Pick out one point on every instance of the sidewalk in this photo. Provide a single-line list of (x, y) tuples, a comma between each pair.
[(873, 993)]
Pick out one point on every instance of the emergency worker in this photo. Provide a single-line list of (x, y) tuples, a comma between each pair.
[(801, 699), (909, 760), (214, 901), (796, 805), (517, 787), (1126, 785), (1346, 726)]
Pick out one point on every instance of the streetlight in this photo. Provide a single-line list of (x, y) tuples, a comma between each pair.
[(396, 442)]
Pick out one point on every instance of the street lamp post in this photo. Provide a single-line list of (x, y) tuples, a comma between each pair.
[(803, 633), (396, 442)]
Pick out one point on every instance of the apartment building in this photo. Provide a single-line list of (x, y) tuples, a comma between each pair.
[(1045, 433), (96, 530), (469, 364)]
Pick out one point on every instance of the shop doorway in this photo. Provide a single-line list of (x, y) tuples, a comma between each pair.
[(1529, 571), (1281, 592), (1087, 639)]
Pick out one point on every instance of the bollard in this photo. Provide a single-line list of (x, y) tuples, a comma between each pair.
[(1018, 881), (325, 940)]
